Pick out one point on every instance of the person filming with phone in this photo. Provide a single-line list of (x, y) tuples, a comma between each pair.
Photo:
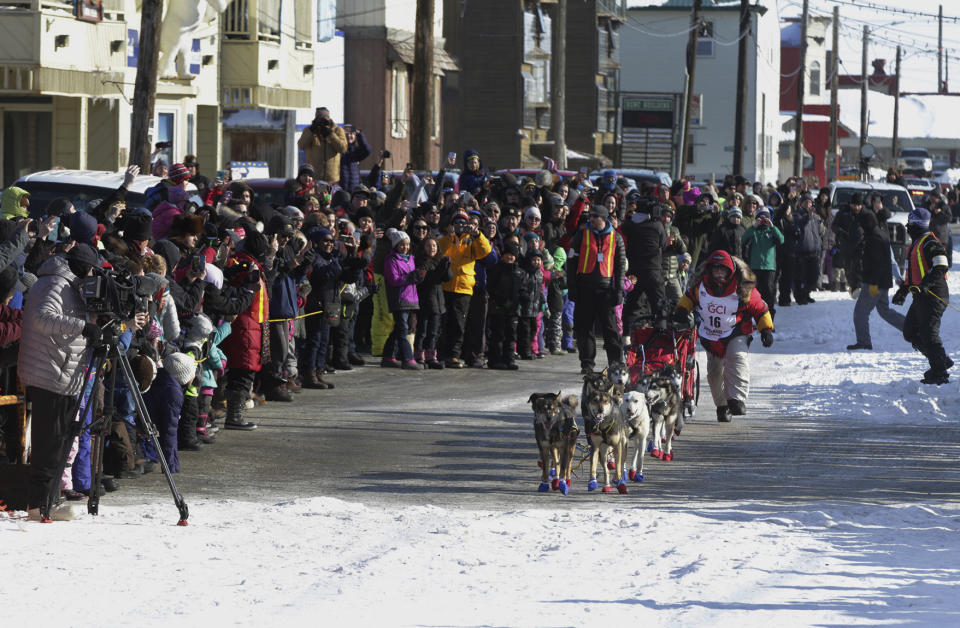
[(322, 143)]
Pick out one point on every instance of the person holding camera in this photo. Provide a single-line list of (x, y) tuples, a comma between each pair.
[(760, 244), (54, 339), (323, 142)]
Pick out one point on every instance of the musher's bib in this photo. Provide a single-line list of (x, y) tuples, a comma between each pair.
[(718, 315)]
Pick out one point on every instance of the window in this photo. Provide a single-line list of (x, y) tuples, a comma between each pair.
[(270, 18), (705, 40), (815, 78), (399, 118), (538, 87), (190, 127), (166, 133)]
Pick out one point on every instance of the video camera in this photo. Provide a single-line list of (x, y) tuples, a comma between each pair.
[(117, 294), (460, 228)]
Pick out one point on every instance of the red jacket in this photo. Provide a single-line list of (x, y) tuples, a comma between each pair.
[(11, 324), (248, 345)]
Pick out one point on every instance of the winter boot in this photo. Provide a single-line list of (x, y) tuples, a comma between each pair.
[(294, 386), (431, 360), (203, 433), (315, 380), (278, 392), (737, 407), (412, 365), (724, 415), (421, 357), (234, 420)]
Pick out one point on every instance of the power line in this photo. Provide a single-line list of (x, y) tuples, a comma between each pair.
[(860, 4)]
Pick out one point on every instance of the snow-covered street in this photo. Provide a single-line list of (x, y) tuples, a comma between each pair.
[(582, 560)]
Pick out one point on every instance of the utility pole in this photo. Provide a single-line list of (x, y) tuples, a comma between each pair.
[(421, 119), (896, 111), (940, 51), (145, 87), (739, 127), (865, 81), (834, 157), (691, 74), (558, 97), (801, 92)]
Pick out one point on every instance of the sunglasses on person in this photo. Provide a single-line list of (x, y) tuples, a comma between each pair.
[(420, 227), (326, 241)]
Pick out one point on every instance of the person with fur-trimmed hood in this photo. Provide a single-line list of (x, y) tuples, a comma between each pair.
[(724, 293)]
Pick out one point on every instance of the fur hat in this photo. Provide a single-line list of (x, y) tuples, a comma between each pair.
[(137, 226), (186, 224), (181, 368), (255, 244), (396, 237), (144, 371), (197, 329)]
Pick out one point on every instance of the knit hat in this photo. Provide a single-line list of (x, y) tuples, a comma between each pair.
[(856, 199), (255, 244), (690, 196), (396, 237), (178, 173), (317, 234), (181, 367), (83, 227), (684, 257), (600, 210), (306, 169), (460, 215), (734, 212), (84, 254), (919, 217), (197, 329), (532, 212), (511, 249), (763, 213)]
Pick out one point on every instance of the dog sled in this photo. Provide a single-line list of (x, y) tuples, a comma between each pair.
[(652, 348)]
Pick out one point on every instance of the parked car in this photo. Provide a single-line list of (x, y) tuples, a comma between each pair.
[(919, 189), (916, 161), (639, 176), (83, 186)]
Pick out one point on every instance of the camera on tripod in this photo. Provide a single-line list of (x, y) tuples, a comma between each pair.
[(117, 294)]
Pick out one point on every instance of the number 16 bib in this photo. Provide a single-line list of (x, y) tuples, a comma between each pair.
[(718, 315)]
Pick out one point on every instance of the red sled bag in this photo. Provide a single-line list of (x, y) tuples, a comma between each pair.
[(651, 349)]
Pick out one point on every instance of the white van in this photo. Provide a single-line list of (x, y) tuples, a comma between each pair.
[(82, 186)]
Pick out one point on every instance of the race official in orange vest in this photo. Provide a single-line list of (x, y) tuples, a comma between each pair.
[(926, 280), (596, 266)]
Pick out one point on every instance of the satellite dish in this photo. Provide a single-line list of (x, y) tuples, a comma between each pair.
[(867, 151)]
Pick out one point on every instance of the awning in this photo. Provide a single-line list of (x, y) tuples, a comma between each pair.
[(401, 49)]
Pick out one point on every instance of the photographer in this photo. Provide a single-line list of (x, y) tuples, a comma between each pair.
[(358, 149), (322, 143), (55, 337)]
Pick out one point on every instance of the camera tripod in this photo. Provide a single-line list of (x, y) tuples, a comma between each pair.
[(89, 404)]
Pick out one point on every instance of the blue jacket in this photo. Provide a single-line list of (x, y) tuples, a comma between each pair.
[(480, 268), (215, 357)]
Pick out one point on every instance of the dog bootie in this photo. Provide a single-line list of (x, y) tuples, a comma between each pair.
[(649, 446), (544, 487), (656, 453), (564, 488), (592, 484), (622, 487), (555, 484), (635, 476), (668, 457), (607, 489)]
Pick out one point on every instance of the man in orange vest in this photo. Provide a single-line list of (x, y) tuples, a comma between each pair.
[(597, 264), (927, 280)]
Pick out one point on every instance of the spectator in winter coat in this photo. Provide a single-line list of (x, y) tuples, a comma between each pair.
[(760, 244), (723, 293), (696, 222), (531, 302), (464, 247), (402, 277), (322, 143), (164, 401), (357, 150), (783, 219), (674, 246), (646, 238), (504, 284), (809, 251), (940, 218), (473, 176), (430, 295), (729, 234), (849, 242), (879, 270)]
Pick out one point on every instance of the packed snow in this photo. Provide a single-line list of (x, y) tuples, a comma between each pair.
[(324, 561)]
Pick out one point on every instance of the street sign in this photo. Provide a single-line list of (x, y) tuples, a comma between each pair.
[(249, 170), (647, 104)]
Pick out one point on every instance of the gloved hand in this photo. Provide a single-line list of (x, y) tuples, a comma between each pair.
[(900, 296), (252, 279), (680, 317), (766, 337), (874, 290), (92, 333)]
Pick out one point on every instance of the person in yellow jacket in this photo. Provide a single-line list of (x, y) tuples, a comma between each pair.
[(14, 203), (322, 144), (464, 246)]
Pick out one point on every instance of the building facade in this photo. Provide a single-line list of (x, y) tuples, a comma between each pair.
[(653, 54)]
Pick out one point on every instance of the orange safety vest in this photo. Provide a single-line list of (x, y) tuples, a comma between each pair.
[(589, 253), (917, 266)]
